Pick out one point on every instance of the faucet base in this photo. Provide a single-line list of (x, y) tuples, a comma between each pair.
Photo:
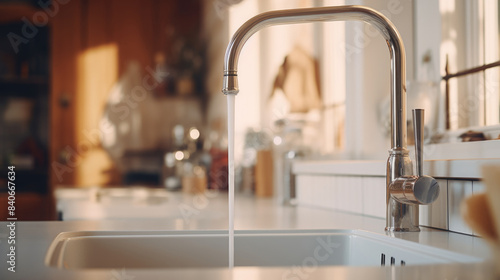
[(395, 229), (400, 217)]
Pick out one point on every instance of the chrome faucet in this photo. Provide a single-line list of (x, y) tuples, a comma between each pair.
[(404, 191)]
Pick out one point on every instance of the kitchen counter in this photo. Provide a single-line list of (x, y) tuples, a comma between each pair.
[(209, 212)]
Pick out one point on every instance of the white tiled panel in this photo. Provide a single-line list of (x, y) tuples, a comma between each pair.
[(374, 199), (344, 193), (354, 197), (436, 214), (367, 196), (323, 199), (304, 190), (457, 191), (478, 187)]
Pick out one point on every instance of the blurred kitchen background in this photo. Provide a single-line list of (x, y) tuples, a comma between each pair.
[(122, 98)]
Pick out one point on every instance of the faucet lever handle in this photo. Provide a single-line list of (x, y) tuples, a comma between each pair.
[(417, 189), (418, 128)]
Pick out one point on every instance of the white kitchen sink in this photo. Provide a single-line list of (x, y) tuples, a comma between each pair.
[(206, 249)]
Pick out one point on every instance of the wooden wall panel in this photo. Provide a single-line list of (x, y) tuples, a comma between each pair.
[(65, 44), (132, 29)]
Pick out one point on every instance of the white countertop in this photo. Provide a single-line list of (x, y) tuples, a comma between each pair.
[(34, 238)]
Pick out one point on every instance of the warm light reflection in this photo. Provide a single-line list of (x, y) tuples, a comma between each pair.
[(97, 71), (277, 140), (194, 133), (179, 155)]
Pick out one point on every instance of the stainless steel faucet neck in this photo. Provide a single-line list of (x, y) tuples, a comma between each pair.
[(400, 216)]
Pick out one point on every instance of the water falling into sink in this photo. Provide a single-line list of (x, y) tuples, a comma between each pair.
[(230, 137)]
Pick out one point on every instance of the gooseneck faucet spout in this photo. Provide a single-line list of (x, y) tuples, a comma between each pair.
[(400, 216), (340, 13)]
